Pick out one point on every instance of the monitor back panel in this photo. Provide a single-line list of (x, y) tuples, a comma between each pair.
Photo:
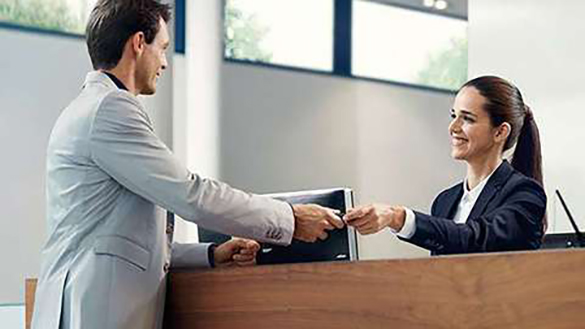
[(341, 244)]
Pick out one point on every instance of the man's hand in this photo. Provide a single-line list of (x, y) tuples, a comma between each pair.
[(373, 218), (312, 221), (236, 252)]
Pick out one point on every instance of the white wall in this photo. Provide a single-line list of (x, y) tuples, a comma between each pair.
[(196, 96), (283, 130), (403, 156), (539, 45), (41, 75)]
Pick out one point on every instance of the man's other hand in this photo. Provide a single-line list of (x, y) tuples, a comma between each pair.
[(236, 252)]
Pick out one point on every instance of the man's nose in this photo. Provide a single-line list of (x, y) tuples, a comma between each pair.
[(164, 63)]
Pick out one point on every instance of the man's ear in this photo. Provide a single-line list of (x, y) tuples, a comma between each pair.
[(502, 132), (138, 43)]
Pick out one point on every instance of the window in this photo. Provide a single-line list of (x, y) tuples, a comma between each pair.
[(399, 41), (295, 33), (410, 46), (56, 15)]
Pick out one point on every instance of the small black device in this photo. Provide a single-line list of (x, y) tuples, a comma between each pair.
[(564, 240)]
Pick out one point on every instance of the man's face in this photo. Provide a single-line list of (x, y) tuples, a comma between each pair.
[(153, 61)]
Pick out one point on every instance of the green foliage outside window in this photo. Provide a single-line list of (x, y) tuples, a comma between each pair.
[(243, 35), (448, 68), (51, 15)]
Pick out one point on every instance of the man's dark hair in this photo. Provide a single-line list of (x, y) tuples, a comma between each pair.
[(112, 22)]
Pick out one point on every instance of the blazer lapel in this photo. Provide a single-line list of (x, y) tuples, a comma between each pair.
[(449, 206), (491, 188)]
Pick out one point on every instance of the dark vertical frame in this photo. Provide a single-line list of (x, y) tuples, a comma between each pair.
[(180, 22), (342, 31)]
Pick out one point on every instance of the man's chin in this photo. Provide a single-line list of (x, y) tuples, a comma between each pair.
[(149, 91)]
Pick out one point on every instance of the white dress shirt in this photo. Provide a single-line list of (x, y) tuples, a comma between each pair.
[(463, 209)]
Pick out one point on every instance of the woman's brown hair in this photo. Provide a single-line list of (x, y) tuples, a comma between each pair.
[(504, 103)]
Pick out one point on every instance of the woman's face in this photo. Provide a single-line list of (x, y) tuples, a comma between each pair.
[(472, 135)]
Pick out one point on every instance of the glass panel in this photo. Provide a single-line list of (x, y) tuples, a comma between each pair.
[(409, 46), (293, 33), (57, 15), (12, 316)]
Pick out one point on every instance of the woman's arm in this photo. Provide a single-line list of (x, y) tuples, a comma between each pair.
[(515, 223)]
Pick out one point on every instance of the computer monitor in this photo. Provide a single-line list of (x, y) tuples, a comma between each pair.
[(340, 245)]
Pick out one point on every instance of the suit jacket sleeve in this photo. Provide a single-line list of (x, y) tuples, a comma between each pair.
[(123, 144), (189, 255), (516, 224)]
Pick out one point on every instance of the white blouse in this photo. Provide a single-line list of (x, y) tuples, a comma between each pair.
[(463, 209)]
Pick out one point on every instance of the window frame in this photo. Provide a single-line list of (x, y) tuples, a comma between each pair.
[(179, 16), (39, 30), (342, 42), (15, 26)]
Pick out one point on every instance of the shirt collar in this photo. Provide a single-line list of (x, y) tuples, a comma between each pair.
[(473, 194), (116, 81)]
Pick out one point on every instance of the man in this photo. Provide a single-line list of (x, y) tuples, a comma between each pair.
[(110, 179)]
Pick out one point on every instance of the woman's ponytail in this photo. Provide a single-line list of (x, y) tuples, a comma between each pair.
[(527, 157)]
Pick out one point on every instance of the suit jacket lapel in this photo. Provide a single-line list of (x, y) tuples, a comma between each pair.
[(449, 206), (491, 188)]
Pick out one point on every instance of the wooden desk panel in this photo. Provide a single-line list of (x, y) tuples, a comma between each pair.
[(30, 287), (512, 290)]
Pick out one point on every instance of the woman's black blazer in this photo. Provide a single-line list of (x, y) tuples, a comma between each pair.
[(508, 215)]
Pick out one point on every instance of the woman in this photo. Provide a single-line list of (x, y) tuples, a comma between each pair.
[(499, 206)]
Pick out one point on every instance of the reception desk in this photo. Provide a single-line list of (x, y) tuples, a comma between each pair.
[(544, 289)]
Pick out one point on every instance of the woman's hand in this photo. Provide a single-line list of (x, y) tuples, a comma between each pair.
[(373, 218)]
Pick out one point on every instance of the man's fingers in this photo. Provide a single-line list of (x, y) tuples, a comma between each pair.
[(327, 226), (323, 236), (244, 245), (251, 246), (332, 218), (247, 251), (243, 258), (237, 243)]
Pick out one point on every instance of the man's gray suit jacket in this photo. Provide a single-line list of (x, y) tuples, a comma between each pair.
[(109, 182)]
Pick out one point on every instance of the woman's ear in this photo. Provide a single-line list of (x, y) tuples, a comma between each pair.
[(502, 132)]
